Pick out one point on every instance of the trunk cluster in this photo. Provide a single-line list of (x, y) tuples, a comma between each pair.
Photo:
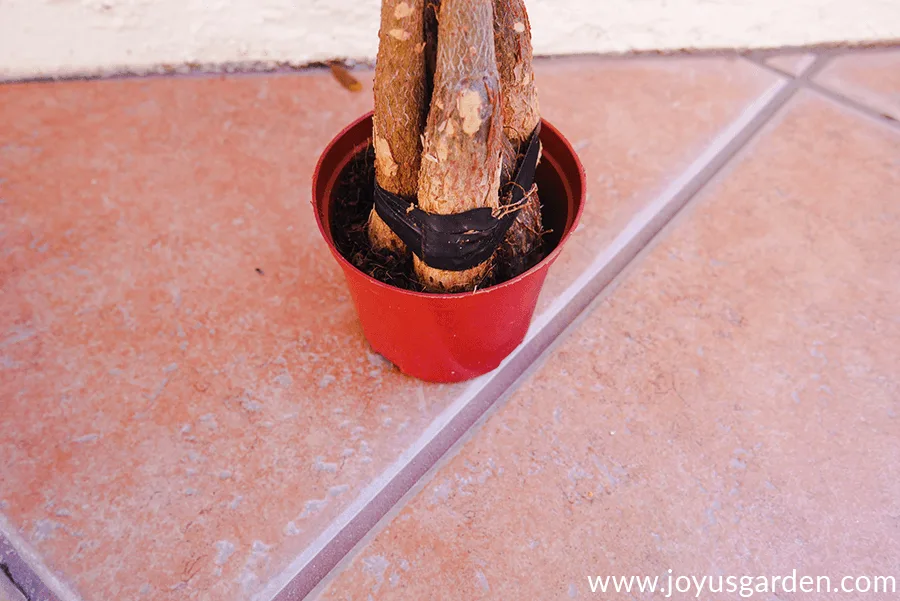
[(455, 104)]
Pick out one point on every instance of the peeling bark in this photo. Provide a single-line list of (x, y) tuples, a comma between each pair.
[(512, 38), (461, 160), (400, 106), (521, 114)]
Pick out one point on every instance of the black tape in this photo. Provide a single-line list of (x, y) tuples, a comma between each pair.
[(463, 240)]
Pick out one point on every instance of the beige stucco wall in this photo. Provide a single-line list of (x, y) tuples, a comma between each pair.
[(59, 37)]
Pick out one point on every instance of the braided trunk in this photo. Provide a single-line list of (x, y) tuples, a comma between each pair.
[(463, 138), (521, 115), (400, 105)]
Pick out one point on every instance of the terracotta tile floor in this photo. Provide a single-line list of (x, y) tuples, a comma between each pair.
[(178, 425)]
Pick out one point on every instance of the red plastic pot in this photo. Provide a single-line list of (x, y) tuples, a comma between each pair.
[(452, 337)]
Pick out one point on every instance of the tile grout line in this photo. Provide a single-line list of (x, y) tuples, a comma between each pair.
[(759, 59), (327, 551), (834, 96), (852, 105), (423, 481), (27, 560), (820, 61)]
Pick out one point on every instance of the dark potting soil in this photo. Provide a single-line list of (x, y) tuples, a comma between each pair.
[(350, 214)]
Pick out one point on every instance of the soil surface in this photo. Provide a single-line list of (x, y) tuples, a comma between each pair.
[(350, 210)]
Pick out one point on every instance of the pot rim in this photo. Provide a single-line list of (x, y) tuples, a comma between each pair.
[(543, 263)]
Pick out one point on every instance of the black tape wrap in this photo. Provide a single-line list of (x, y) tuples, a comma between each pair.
[(463, 240)]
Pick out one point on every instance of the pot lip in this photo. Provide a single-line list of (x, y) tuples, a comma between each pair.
[(542, 264)]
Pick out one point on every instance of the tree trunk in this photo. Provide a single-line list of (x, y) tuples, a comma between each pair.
[(512, 38), (400, 106), (521, 115), (461, 161)]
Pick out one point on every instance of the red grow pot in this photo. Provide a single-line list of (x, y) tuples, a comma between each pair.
[(452, 337)]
